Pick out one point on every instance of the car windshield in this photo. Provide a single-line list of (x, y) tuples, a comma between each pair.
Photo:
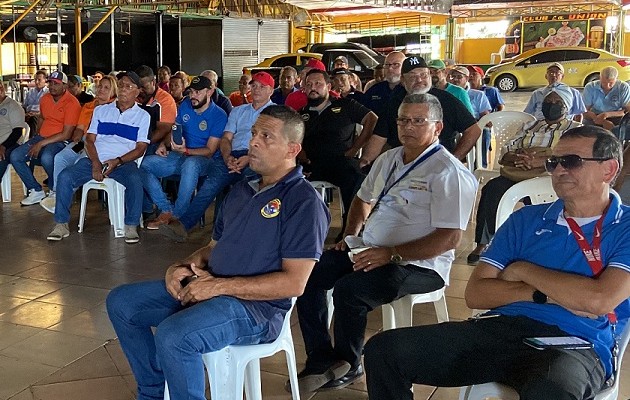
[(366, 60)]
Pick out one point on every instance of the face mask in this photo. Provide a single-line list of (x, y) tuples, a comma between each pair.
[(553, 111)]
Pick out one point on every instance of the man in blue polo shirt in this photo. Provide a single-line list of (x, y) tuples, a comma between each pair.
[(607, 100), (232, 166), (202, 123), (551, 270), (238, 294)]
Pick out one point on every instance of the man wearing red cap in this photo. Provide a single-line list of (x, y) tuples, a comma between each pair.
[(59, 115), (297, 100), (233, 165)]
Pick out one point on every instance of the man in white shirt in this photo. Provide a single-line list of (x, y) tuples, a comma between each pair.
[(415, 204), (11, 126)]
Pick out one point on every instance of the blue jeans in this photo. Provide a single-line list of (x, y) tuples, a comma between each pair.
[(5, 163), (182, 335), (19, 159), (218, 178), (65, 158), (486, 137), (75, 176), (189, 168)]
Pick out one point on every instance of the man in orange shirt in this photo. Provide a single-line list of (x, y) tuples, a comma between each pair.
[(160, 106), (59, 114), (243, 95)]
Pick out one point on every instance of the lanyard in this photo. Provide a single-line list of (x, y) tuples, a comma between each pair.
[(419, 161)]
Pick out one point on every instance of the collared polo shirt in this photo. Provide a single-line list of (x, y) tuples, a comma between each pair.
[(460, 94), (278, 98), (240, 123), (117, 133), (540, 235), (11, 117), (33, 98), (615, 100), (199, 127), (376, 98), (479, 102), (56, 114), (494, 96), (437, 193), (257, 229)]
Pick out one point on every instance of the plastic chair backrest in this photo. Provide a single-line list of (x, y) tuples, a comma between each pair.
[(539, 190), (505, 124)]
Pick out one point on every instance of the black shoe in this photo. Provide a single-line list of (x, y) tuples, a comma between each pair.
[(349, 378), (309, 380), (473, 259)]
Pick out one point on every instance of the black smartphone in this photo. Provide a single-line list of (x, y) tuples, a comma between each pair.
[(78, 147), (558, 342)]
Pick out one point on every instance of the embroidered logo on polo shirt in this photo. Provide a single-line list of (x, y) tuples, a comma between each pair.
[(614, 98), (271, 209), (3, 111), (203, 125), (305, 117), (186, 118), (336, 110)]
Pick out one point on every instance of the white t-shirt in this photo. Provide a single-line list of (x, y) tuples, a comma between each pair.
[(437, 193), (118, 132), (11, 116)]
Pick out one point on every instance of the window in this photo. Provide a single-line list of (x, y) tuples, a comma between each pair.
[(580, 55), (545, 57), (285, 61)]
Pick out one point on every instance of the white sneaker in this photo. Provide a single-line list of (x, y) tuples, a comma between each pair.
[(49, 202), (131, 234), (61, 231), (34, 197)]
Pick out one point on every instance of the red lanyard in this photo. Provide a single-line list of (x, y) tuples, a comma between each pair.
[(592, 253)]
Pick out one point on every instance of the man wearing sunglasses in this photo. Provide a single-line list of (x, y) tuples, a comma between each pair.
[(560, 269)]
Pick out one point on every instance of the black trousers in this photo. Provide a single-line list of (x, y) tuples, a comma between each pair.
[(473, 352), (488, 205), (355, 294)]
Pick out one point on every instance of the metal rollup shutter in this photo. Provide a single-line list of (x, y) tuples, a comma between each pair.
[(240, 49), (274, 38)]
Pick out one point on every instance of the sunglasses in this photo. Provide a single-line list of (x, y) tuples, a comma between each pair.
[(570, 161)]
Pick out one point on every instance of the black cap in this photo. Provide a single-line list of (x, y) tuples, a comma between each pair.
[(131, 75), (339, 71), (412, 62), (200, 82)]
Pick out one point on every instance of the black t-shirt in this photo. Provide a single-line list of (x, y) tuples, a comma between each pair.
[(456, 118), (84, 98), (331, 133)]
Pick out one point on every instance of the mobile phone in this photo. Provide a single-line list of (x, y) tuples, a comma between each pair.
[(177, 134), (558, 342), (78, 147), (105, 168)]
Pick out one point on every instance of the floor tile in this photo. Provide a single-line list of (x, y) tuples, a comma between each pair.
[(7, 303), (39, 315), (11, 334), (78, 296), (110, 388), (19, 374), (97, 364), (28, 288), (93, 324)]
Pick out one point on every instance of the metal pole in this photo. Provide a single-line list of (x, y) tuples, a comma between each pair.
[(59, 66), (77, 40), (179, 41), (112, 37), (158, 37)]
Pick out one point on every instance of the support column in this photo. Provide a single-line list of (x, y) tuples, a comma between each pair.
[(450, 39), (158, 34), (112, 43), (77, 40), (59, 47), (179, 42)]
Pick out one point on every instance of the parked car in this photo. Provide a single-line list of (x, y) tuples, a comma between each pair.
[(321, 47), (581, 66), (274, 64)]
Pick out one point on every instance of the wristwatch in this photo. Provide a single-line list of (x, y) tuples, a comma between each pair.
[(539, 297), (395, 258)]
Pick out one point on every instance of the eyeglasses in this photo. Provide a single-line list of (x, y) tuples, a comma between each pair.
[(392, 65), (414, 121), (570, 161), (457, 76)]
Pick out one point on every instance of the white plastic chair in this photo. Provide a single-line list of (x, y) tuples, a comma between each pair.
[(5, 184), (505, 124), (321, 187), (399, 313), (539, 190), (500, 54), (499, 391), (234, 366), (115, 202)]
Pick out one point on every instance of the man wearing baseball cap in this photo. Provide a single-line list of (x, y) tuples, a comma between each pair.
[(233, 165), (340, 62), (297, 100), (439, 80), (458, 76), (457, 119), (59, 115), (342, 85), (554, 75), (200, 124)]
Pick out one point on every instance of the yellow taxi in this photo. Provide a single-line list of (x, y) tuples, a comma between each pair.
[(296, 60), (581, 66)]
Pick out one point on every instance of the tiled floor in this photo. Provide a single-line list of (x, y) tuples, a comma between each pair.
[(56, 342)]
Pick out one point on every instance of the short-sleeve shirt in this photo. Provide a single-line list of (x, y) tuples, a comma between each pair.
[(237, 99), (11, 117), (617, 99), (437, 193), (117, 133), (33, 98), (197, 128), (161, 107), (456, 118), (56, 114), (534, 106), (257, 229), (240, 123), (460, 94), (540, 235), (331, 132), (376, 98), (479, 102), (494, 96), (277, 96)]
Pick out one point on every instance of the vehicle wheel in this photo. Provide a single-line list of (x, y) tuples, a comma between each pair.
[(506, 83), (591, 78)]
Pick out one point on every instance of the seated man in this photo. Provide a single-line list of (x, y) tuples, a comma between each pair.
[(243, 95), (286, 86), (32, 99), (522, 157), (415, 203), (233, 165), (11, 127), (540, 277), (341, 84), (75, 86), (202, 123), (268, 237), (117, 136), (218, 97), (59, 115), (439, 80), (607, 100)]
